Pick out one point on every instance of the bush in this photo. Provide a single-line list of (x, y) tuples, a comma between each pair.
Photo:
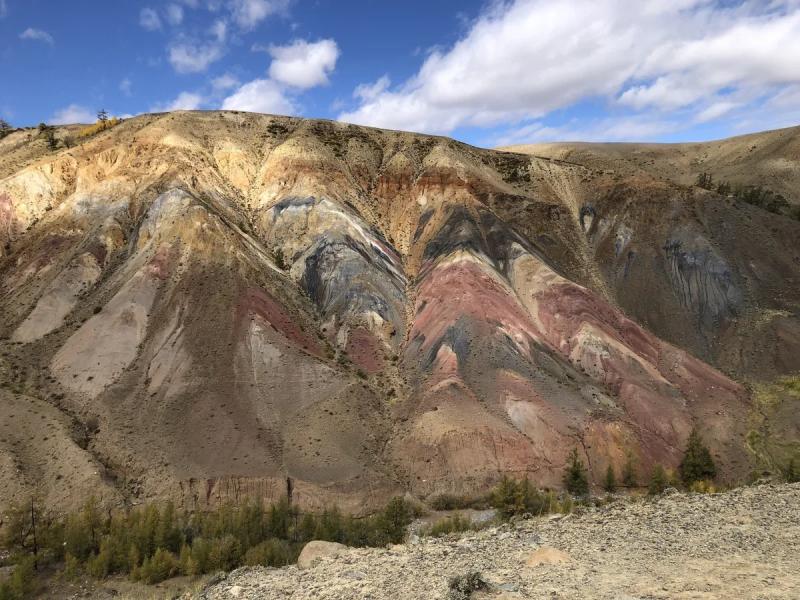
[(512, 498), (98, 127), (610, 484), (791, 473), (396, 517), (658, 481), (453, 524), (461, 587), (21, 584), (697, 464), (575, 478), (705, 181), (162, 565)]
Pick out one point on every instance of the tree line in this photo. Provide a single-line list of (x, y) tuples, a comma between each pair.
[(754, 195)]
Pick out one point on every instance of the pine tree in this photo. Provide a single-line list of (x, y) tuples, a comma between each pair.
[(610, 484), (629, 471), (658, 481), (697, 464), (575, 479)]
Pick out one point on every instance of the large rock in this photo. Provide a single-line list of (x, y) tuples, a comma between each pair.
[(315, 550), (546, 556)]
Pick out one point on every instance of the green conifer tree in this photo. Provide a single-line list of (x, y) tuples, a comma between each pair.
[(697, 464), (575, 478)]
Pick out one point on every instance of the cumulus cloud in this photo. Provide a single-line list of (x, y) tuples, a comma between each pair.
[(523, 59), (370, 91), (74, 113), (248, 14), (174, 13), (189, 56), (184, 101), (260, 95), (219, 30), (303, 64), (224, 82), (149, 19), (37, 35)]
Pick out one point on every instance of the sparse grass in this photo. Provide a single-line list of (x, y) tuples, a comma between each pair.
[(453, 524)]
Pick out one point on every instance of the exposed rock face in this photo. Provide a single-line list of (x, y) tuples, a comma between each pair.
[(260, 306), (741, 544)]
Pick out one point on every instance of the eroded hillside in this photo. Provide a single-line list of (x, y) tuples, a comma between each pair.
[(210, 305)]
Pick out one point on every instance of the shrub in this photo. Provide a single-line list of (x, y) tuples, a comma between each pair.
[(98, 127), (697, 464), (705, 181), (162, 565), (629, 471), (280, 260), (791, 473), (575, 478), (658, 481), (271, 553), (396, 517), (518, 497), (610, 484), (461, 587), (72, 568), (453, 524)]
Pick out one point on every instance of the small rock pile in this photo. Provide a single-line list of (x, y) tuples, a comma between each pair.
[(740, 544)]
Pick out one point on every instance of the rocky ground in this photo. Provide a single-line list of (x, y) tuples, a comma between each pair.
[(740, 544)]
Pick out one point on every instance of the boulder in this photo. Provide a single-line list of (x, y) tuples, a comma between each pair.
[(546, 556), (315, 550)]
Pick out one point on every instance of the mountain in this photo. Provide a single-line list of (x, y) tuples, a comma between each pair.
[(211, 305)]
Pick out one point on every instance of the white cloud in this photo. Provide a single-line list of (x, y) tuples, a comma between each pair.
[(125, 86), (260, 95), (247, 14), (224, 82), (715, 111), (74, 113), (523, 59), (3, 9), (188, 56), (174, 13), (184, 101), (370, 91), (149, 19), (219, 30), (37, 35), (609, 129), (303, 64)]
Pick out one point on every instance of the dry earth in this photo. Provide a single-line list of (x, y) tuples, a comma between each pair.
[(740, 544)]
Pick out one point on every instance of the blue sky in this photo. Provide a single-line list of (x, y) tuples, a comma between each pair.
[(487, 72)]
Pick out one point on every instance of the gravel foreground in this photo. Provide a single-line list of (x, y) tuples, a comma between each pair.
[(740, 544)]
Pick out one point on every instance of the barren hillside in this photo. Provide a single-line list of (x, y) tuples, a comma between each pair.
[(210, 305)]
